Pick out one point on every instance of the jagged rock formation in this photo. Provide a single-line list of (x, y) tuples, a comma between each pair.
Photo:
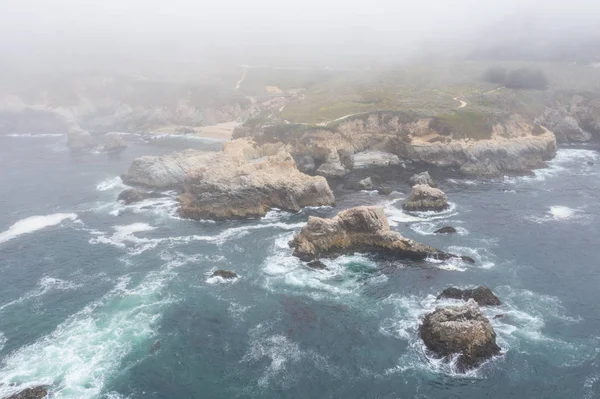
[(421, 178), (482, 295), (245, 181), (564, 126), (132, 195), (360, 229), (512, 144), (425, 198), (30, 393), (113, 142), (462, 331), (167, 171)]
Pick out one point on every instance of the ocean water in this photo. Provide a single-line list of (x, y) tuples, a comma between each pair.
[(102, 300)]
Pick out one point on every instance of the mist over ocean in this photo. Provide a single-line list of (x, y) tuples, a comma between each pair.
[(104, 300)]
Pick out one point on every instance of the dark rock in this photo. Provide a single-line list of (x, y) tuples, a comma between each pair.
[(421, 178), (499, 316), (467, 259), (461, 330), (446, 230), (317, 264), (225, 274), (306, 164), (132, 195), (482, 295), (346, 158), (30, 393), (365, 184), (155, 347), (385, 190)]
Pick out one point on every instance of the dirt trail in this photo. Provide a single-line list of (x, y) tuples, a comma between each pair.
[(462, 103)]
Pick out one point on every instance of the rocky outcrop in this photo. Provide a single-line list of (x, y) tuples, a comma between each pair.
[(462, 331), (365, 184), (360, 229), (132, 195), (225, 274), (421, 178), (425, 198), (563, 125), (332, 167), (511, 145), (80, 140), (30, 393), (167, 171), (246, 181), (367, 159), (317, 265), (482, 295), (445, 230), (114, 142)]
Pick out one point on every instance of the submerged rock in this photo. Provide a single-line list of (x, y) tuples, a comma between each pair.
[(360, 229), (30, 393), (132, 195), (225, 274), (246, 181), (425, 198), (446, 230), (316, 264), (421, 178), (482, 295), (462, 331), (365, 184)]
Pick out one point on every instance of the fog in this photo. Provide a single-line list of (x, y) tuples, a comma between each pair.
[(42, 35)]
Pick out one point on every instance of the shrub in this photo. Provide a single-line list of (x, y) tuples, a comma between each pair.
[(522, 78), (525, 78), (496, 74)]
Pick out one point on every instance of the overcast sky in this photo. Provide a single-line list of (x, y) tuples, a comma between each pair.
[(30, 27)]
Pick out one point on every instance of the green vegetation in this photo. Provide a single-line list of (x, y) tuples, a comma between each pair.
[(464, 124)]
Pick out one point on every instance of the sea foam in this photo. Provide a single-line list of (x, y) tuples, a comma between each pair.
[(34, 223)]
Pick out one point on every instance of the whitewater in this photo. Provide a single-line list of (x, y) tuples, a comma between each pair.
[(104, 300)]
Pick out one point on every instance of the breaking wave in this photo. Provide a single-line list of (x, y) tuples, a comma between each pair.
[(35, 223)]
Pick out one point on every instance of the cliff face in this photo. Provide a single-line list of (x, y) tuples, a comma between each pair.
[(473, 143)]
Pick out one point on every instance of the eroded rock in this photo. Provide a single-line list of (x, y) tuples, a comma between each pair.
[(425, 198), (360, 229), (246, 181), (365, 184), (421, 178), (482, 295), (317, 264), (462, 331)]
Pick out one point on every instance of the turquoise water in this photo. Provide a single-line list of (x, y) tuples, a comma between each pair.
[(90, 286)]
